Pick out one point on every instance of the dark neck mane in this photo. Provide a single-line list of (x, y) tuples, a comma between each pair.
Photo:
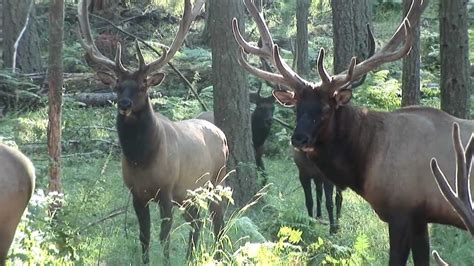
[(138, 135), (344, 158)]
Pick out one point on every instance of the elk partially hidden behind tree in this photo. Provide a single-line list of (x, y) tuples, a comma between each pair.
[(382, 156), (161, 159)]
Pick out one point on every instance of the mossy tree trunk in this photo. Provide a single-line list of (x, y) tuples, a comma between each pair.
[(454, 52), (231, 97)]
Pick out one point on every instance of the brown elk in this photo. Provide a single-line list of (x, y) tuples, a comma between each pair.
[(382, 156), (17, 182), (460, 196), (162, 159)]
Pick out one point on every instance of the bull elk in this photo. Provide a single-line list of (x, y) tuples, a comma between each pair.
[(460, 196), (161, 159), (382, 156), (17, 182)]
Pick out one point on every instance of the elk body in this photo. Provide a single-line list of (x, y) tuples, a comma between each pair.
[(382, 156), (17, 182), (161, 159)]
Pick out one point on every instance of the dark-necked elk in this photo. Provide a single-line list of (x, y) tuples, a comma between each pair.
[(308, 171), (162, 159), (17, 182), (382, 156), (459, 196), (261, 122)]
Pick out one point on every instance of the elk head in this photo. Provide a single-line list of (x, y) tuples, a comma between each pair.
[(264, 107), (132, 87), (317, 103)]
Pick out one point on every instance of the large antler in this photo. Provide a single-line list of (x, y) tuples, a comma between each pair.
[(390, 52), (268, 51), (461, 198), (189, 14), (344, 80)]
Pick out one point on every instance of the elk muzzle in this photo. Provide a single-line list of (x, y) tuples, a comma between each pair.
[(125, 106)]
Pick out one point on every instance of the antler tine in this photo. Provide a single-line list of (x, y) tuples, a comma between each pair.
[(265, 75), (461, 199), (189, 14), (87, 41), (323, 73), (293, 79)]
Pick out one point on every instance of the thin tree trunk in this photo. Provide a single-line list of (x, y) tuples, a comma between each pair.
[(231, 104), (454, 52), (302, 57), (411, 67), (55, 81)]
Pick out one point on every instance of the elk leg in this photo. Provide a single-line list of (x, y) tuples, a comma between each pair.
[(338, 203), (143, 214), (328, 192), (191, 215), (420, 243), (398, 229), (306, 184), (319, 195), (217, 214), (258, 158), (166, 214)]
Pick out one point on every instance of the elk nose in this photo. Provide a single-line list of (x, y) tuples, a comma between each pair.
[(299, 140), (124, 104)]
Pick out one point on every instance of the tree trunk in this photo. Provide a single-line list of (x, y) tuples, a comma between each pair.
[(343, 34), (454, 52), (411, 67), (302, 57), (28, 58), (55, 82), (361, 15), (231, 98)]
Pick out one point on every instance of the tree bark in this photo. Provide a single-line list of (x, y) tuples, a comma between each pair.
[(411, 67), (231, 104), (55, 81), (302, 57), (343, 34), (28, 57), (454, 52)]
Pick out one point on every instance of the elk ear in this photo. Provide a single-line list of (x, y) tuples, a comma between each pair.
[(107, 78), (285, 98), (155, 79), (342, 97)]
